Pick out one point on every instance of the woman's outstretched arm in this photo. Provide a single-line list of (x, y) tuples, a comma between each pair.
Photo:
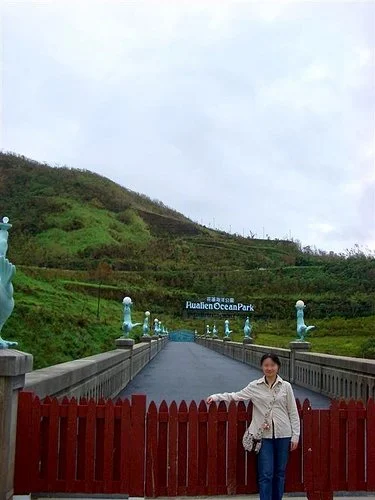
[(242, 395)]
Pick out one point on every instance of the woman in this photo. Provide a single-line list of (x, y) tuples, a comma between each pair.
[(281, 432)]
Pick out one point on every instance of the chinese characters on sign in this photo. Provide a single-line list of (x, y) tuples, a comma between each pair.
[(222, 300)]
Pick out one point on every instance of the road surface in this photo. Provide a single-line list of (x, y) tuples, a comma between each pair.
[(189, 371)]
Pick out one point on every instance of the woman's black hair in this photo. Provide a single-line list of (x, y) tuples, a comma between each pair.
[(274, 358)]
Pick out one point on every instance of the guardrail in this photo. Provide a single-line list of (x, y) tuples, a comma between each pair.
[(102, 375), (334, 376)]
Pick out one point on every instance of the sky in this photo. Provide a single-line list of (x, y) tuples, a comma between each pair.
[(250, 117)]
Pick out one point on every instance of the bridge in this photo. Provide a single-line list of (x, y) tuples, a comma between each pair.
[(192, 372), (86, 426)]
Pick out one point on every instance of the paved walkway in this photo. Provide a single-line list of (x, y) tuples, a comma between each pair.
[(186, 370)]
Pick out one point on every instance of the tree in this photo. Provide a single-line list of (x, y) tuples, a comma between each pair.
[(103, 272)]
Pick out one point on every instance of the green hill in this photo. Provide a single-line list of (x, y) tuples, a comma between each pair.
[(74, 229), (73, 218)]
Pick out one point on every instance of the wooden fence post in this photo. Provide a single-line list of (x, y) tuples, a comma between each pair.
[(137, 445), (192, 480), (370, 444), (232, 449), (152, 451), (182, 447)]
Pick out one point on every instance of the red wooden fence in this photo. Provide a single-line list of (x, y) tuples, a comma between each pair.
[(90, 447)]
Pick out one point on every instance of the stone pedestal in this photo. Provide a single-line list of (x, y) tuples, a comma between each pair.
[(248, 340), (228, 339), (295, 346), (146, 338), (300, 344), (124, 343), (13, 366)]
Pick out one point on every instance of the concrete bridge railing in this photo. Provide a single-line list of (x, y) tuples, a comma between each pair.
[(333, 376), (103, 375)]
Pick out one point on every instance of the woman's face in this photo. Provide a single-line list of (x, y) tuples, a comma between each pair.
[(269, 367)]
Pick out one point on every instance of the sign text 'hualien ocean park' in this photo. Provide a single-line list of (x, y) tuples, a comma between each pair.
[(219, 304)]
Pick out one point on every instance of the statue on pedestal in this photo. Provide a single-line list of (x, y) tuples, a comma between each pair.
[(227, 331), (127, 324), (302, 329), (208, 331), (146, 327), (156, 326), (214, 332), (7, 272), (247, 328)]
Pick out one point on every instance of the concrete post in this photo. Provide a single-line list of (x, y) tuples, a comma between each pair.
[(248, 340), (13, 366), (126, 343), (146, 338), (295, 346)]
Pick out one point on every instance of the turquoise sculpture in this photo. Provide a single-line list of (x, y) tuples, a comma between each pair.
[(208, 331), (247, 328), (127, 324), (146, 327), (156, 326), (227, 331), (214, 332), (7, 272), (302, 329)]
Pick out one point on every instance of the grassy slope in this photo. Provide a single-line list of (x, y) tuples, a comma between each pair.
[(56, 324), (73, 220), (95, 227), (70, 218)]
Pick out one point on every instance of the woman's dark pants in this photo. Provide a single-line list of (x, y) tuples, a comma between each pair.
[(272, 461)]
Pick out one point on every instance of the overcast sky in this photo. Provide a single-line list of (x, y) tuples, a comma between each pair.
[(242, 115)]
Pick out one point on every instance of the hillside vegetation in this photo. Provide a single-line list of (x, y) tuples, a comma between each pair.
[(73, 230), (72, 219)]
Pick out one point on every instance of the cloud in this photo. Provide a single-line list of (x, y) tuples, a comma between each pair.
[(255, 114), (321, 227)]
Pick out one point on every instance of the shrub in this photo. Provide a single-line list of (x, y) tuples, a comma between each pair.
[(367, 348)]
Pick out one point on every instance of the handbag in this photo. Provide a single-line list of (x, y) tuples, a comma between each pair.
[(253, 442)]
